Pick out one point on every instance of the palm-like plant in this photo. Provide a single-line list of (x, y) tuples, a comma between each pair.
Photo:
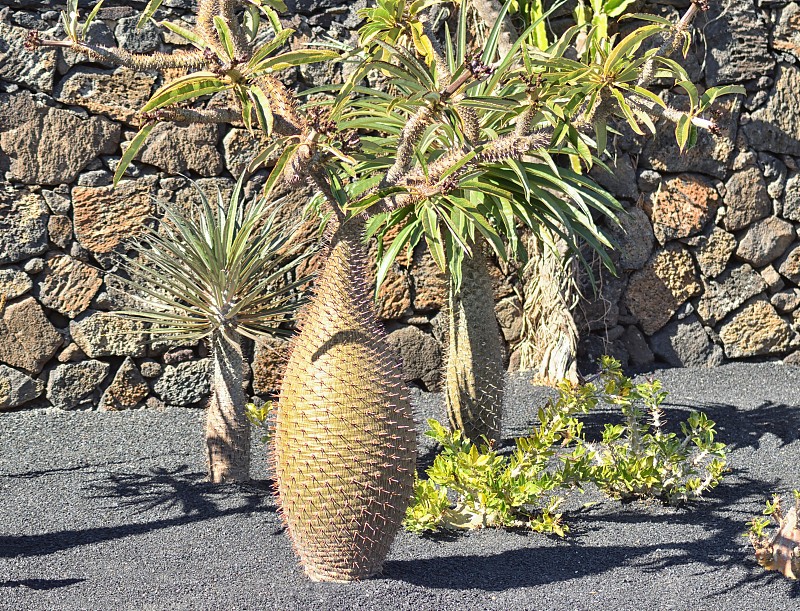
[(471, 144), (459, 132), (217, 272), (228, 55)]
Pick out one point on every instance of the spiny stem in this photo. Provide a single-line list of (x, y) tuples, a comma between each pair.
[(241, 48), (120, 57), (206, 10), (671, 42)]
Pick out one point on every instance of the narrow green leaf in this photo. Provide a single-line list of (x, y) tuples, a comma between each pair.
[(131, 151), (490, 103), (714, 92), (461, 35), (291, 59), (252, 21), (272, 16), (490, 46), (267, 48), (190, 86), (672, 69), (184, 33), (277, 170), (601, 135), (682, 128), (430, 223), (630, 44), (225, 36), (692, 136), (247, 107), (263, 109), (147, 13), (626, 111), (410, 234), (650, 96), (615, 8), (90, 18), (449, 52), (691, 90), (648, 17)]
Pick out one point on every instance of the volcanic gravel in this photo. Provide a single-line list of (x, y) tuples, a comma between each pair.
[(110, 511)]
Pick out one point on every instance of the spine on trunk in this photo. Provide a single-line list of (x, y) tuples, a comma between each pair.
[(345, 443), (474, 374)]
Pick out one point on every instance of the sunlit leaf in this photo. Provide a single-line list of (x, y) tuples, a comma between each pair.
[(132, 150)]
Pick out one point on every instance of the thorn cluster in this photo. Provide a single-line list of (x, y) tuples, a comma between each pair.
[(477, 68), (32, 41)]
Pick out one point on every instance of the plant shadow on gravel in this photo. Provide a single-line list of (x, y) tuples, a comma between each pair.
[(736, 427), (184, 496), (41, 584), (721, 516), (741, 428)]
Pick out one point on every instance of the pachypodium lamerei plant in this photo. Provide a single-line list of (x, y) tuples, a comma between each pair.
[(458, 148), (344, 440), (781, 551), (485, 131), (217, 272)]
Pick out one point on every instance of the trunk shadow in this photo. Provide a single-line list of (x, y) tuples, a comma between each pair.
[(177, 491)]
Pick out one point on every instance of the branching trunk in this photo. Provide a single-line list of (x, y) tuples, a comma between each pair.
[(475, 370), (549, 336), (227, 428)]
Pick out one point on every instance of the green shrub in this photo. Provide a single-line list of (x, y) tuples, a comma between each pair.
[(259, 416), (471, 486), (638, 458), (488, 489)]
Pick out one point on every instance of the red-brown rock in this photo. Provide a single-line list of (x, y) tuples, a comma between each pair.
[(657, 290), (105, 216)]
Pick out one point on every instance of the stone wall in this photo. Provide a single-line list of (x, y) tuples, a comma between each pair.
[(708, 268)]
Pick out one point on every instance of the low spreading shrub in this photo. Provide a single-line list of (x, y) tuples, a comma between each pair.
[(474, 486)]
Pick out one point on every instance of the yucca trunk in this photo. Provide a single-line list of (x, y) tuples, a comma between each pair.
[(549, 337), (345, 444), (474, 385), (227, 428)]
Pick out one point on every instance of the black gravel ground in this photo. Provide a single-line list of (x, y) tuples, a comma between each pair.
[(110, 511)]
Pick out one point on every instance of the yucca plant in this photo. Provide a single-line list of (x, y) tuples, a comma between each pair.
[(218, 271)]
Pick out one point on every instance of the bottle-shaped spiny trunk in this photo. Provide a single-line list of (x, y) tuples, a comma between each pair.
[(345, 444), (549, 336), (474, 393), (227, 428)]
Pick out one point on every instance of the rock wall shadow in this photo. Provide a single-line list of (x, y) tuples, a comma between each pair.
[(176, 491)]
